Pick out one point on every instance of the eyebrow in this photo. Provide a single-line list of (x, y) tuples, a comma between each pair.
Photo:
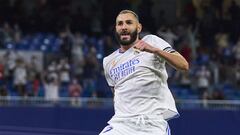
[(118, 21)]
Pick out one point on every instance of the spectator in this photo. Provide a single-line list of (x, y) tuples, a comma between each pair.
[(20, 77), (78, 56), (52, 70), (36, 85), (91, 66), (185, 80), (75, 91), (203, 79), (186, 51), (237, 76), (167, 34), (33, 76), (217, 95), (67, 43), (2, 76), (63, 69), (193, 40), (3, 91), (236, 51), (8, 33), (10, 62), (51, 87)]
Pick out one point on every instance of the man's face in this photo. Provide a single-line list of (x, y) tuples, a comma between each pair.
[(127, 29)]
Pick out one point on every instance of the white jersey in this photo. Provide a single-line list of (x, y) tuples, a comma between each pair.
[(139, 80)]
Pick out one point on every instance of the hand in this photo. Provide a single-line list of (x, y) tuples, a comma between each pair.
[(143, 46)]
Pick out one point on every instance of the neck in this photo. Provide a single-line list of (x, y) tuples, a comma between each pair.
[(124, 48)]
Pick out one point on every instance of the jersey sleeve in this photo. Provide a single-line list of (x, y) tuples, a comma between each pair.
[(158, 42), (108, 78)]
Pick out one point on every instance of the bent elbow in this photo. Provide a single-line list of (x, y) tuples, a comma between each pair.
[(185, 66)]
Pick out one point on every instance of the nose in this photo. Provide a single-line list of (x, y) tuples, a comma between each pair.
[(124, 26)]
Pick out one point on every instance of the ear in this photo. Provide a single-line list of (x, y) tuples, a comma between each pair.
[(139, 27)]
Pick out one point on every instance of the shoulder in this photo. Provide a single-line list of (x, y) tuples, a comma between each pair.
[(109, 57), (156, 41), (151, 37)]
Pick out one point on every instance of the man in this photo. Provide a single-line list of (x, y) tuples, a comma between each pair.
[(137, 75)]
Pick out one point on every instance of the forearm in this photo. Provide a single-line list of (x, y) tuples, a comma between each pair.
[(174, 59)]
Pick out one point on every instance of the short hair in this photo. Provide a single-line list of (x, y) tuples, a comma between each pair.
[(131, 12)]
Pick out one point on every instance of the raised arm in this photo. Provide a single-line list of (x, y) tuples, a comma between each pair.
[(175, 59)]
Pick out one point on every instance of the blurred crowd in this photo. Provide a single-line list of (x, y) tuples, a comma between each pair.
[(74, 39)]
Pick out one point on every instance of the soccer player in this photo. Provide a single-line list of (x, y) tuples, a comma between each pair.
[(137, 76)]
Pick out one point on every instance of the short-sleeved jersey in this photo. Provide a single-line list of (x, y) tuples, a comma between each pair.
[(139, 80)]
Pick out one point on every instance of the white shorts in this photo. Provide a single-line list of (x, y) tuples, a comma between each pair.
[(141, 125)]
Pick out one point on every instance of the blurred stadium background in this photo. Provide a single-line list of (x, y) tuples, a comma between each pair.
[(49, 46)]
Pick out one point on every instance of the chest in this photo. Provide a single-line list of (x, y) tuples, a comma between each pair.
[(126, 66)]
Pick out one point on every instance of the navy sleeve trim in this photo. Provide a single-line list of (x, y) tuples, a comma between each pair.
[(169, 49)]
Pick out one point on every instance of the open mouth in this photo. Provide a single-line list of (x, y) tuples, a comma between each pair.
[(125, 36)]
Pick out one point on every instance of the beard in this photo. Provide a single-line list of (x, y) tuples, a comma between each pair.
[(133, 36)]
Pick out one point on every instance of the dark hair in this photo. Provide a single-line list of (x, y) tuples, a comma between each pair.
[(131, 12)]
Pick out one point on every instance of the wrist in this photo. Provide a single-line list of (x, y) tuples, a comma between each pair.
[(156, 51)]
